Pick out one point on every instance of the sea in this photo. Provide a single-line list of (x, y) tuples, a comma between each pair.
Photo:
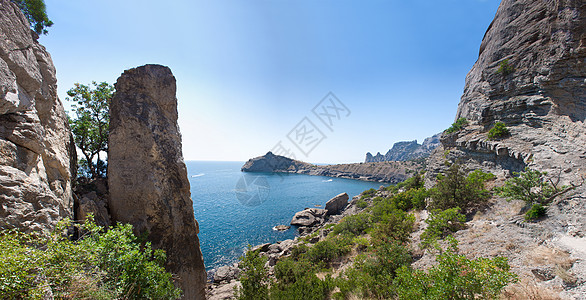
[(236, 209)]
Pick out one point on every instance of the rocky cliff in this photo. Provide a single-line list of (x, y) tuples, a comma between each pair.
[(37, 156), (147, 176), (409, 150), (531, 75), (386, 171)]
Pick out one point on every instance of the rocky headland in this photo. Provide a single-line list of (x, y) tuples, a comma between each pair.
[(388, 171)]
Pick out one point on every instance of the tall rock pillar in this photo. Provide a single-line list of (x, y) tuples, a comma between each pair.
[(147, 176)]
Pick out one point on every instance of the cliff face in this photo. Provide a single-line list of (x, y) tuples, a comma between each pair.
[(147, 177), (531, 75), (37, 155), (404, 151)]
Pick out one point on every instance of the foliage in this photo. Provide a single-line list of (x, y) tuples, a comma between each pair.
[(499, 130), (441, 223), (529, 186), (413, 198), (297, 280), (253, 277), (100, 265), (361, 203), (368, 193), (456, 189), (353, 225), (455, 277), (372, 276), (326, 251), (396, 225), (537, 211), (505, 68), (90, 124), (457, 126), (35, 12), (413, 182)]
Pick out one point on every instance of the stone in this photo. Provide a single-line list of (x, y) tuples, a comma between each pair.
[(37, 154), (226, 274), (90, 203), (261, 248), (281, 227), (407, 150), (308, 217), (147, 177), (335, 205)]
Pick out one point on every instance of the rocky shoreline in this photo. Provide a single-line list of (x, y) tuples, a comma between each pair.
[(386, 171), (313, 224)]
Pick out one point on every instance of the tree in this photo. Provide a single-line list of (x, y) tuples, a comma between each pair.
[(36, 13), (90, 124), (457, 189)]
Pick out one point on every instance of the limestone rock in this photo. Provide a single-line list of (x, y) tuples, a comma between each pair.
[(408, 150), (91, 203), (335, 205), (272, 163), (147, 176), (37, 155), (309, 217), (226, 274)]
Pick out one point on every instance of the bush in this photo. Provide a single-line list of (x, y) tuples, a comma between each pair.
[(361, 204), (456, 189), (100, 265), (368, 194), (410, 199), (505, 68), (529, 186), (372, 276), (254, 277), (297, 280), (455, 277), (499, 130), (537, 211), (324, 252), (353, 225), (396, 225), (35, 12), (442, 223), (457, 126)]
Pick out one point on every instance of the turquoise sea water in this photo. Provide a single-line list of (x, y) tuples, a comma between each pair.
[(236, 209)]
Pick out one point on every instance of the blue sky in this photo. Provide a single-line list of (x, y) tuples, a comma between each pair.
[(248, 72)]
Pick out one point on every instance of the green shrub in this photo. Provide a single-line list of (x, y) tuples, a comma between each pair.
[(396, 225), (456, 189), (324, 252), (353, 225), (441, 223), (100, 265), (499, 130), (298, 251), (537, 211), (457, 126), (254, 277), (372, 276), (361, 204), (410, 199), (297, 280), (368, 194), (455, 277), (505, 68), (529, 186)]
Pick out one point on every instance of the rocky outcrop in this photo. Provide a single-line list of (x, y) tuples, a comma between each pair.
[(531, 75), (147, 177), (309, 217), (388, 171), (37, 155), (404, 151), (273, 163), (335, 205)]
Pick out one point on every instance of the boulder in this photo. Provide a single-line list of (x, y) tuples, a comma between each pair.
[(226, 274), (147, 176), (335, 205), (37, 154), (281, 227), (309, 217), (90, 203)]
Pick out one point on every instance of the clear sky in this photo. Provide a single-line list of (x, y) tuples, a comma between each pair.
[(249, 73)]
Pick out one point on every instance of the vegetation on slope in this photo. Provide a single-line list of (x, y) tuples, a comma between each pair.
[(112, 264), (377, 241)]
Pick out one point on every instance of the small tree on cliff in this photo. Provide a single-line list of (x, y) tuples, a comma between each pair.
[(90, 124), (36, 13)]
